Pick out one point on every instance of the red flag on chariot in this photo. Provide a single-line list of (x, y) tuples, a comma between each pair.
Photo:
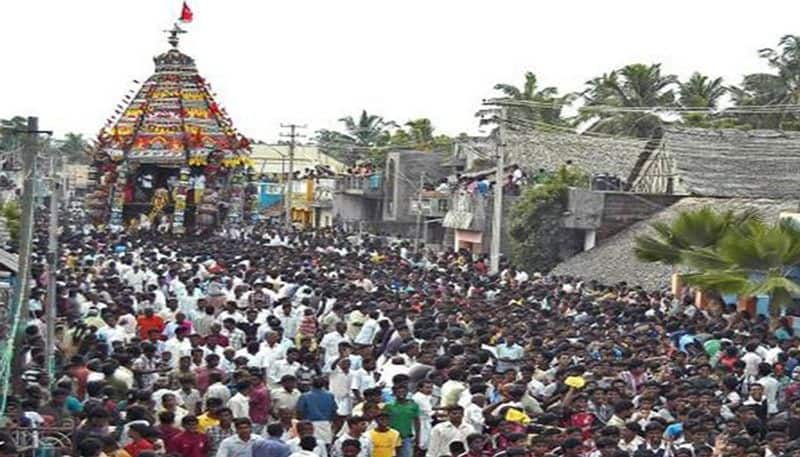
[(186, 13)]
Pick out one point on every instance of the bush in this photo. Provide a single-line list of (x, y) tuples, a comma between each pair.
[(11, 213), (538, 237)]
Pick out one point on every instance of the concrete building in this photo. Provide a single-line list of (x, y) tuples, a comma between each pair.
[(274, 159), (387, 202), (692, 168), (469, 219)]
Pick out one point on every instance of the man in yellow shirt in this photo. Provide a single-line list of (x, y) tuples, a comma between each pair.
[(385, 440), (209, 418)]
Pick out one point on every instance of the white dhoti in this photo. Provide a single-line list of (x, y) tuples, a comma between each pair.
[(323, 432)]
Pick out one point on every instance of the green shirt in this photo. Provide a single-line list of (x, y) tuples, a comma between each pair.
[(712, 347), (402, 416)]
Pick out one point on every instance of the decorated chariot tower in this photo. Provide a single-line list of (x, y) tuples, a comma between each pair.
[(170, 156)]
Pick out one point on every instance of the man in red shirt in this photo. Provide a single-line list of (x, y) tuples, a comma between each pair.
[(202, 373), (77, 369), (149, 321), (260, 401), (190, 442)]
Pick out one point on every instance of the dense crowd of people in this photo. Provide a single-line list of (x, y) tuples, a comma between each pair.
[(320, 343)]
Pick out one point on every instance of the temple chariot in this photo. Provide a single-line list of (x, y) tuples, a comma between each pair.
[(170, 157)]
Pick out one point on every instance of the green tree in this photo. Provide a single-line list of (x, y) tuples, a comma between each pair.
[(539, 240), (368, 130), (420, 135), (12, 213), (779, 88), (358, 139), (529, 105), (633, 87), (753, 260), (700, 91), (690, 230), (617, 103), (74, 148), (9, 138)]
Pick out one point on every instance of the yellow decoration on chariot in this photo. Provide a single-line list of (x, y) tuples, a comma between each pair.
[(192, 95), (165, 94), (134, 112), (120, 130), (160, 200), (199, 113), (159, 130), (197, 161)]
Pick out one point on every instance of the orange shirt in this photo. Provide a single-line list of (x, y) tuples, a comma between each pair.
[(146, 324)]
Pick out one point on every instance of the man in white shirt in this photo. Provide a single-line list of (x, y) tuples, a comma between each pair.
[(178, 345), (369, 329), (771, 387), (330, 342), (751, 361), (270, 350), (287, 366), (445, 433), (356, 428), (240, 444), (509, 354), (285, 396), (217, 389), (240, 403)]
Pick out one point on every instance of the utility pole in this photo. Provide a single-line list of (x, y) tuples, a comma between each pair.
[(287, 199), (419, 211), (52, 263), (494, 260), (20, 315)]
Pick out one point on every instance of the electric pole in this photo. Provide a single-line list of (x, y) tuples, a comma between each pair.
[(419, 211), (20, 314), (52, 264), (287, 199), (494, 260)]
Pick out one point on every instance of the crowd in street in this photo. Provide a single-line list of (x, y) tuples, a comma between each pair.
[(319, 343)]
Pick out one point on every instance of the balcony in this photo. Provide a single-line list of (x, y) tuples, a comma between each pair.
[(432, 204), (466, 212), (368, 186), (323, 193)]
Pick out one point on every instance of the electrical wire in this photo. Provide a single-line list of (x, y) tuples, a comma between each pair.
[(740, 109)]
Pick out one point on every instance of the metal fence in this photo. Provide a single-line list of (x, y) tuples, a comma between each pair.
[(42, 442)]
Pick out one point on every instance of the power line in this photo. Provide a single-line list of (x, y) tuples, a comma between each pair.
[(739, 109)]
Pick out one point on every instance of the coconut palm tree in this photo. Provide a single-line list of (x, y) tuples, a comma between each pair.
[(632, 86), (779, 88), (360, 135), (527, 104), (755, 260), (75, 148), (617, 103), (368, 130), (420, 135), (700, 91), (689, 231)]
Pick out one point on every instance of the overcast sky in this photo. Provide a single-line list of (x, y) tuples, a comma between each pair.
[(314, 61)]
